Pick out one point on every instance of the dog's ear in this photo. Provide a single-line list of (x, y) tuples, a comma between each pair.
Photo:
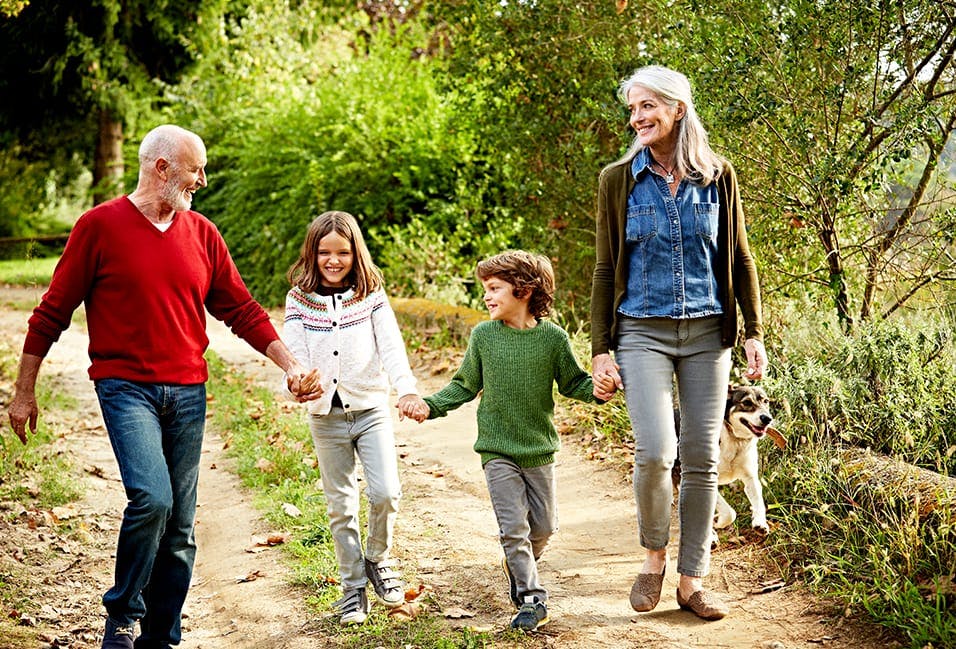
[(730, 390)]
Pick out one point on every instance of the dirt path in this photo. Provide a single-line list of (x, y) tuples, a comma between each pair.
[(446, 537)]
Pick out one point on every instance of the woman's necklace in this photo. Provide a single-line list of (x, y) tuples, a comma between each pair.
[(668, 173)]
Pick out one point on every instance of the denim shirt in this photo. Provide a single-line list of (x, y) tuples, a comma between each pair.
[(672, 247)]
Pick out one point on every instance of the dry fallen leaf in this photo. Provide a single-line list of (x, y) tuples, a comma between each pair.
[(252, 576), (291, 510), (265, 465), (96, 471), (406, 611), (456, 613), (413, 593), (65, 512), (267, 542)]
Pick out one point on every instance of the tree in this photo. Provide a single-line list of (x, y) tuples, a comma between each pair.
[(81, 71), (840, 126), (537, 79)]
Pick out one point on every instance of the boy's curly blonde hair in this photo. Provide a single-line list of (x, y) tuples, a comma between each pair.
[(527, 272)]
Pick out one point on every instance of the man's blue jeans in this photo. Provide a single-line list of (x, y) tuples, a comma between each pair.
[(156, 431)]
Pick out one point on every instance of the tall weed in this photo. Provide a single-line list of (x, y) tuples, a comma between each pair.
[(886, 387)]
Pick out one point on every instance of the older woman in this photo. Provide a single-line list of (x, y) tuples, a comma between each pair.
[(672, 267)]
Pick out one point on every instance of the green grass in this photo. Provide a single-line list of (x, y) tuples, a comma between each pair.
[(275, 458), (35, 474), (27, 272)]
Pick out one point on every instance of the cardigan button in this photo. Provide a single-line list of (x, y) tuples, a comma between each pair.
[(335, 353)]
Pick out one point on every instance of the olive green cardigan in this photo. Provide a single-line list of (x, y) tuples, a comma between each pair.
[(737, 274)]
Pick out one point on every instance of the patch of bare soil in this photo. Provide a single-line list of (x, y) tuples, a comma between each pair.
[(446, 537)]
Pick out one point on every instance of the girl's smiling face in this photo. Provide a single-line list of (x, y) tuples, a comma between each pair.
[(334, 258), (653, 119)]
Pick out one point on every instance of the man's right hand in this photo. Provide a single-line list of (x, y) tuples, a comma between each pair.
[(23, 409)]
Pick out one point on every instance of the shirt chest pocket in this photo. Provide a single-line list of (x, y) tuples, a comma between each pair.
[(641, 223), (705, 217)]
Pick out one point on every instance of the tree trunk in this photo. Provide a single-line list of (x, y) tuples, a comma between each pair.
[(108, 161), (880, 479)]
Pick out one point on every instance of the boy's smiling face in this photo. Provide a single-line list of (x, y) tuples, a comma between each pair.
[(503, 305)]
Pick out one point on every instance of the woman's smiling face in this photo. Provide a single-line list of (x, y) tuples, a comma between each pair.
[(652, 118)]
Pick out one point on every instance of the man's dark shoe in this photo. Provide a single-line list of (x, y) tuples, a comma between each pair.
[(118, 636), (531, 615)]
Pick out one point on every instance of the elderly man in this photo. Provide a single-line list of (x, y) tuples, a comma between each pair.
[(147, 268)]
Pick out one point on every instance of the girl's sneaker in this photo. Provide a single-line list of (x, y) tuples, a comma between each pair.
[(531, 615), (353, 607), (386, 582)]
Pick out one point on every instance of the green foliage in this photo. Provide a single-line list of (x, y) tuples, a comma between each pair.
[(11, 8), (536, 82), (885, 387), (869, 551), (38, 198), (837, 134), (343, 140)]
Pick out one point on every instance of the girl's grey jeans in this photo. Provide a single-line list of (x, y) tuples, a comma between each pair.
[(339, 438)]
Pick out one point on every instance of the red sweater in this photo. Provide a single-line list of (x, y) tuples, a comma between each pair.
[(145, 291)]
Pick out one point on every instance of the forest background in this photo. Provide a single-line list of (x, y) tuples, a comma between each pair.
[(457, 129)]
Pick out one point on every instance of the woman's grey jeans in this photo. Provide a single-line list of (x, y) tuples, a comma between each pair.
[(651, 353)]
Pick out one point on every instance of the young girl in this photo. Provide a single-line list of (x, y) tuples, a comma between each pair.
[(338, 320)]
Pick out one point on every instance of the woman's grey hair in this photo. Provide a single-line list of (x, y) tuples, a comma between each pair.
[(693, 156)]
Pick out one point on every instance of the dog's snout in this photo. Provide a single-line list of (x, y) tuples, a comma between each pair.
[(765, 420)]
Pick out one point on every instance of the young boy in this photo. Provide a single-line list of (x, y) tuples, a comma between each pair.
[(516, 358)]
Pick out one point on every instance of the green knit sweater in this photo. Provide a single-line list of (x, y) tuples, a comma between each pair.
[(517, 369)]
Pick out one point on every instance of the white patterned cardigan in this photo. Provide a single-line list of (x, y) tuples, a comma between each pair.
[(355, 343)]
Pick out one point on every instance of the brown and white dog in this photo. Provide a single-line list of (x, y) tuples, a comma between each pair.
[(747, 419)]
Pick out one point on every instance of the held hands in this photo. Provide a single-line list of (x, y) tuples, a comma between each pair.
[(304, 386), (756, 358), (606, 375), (413, 407)]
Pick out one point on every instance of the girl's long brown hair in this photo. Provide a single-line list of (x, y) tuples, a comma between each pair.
[(365, 276)]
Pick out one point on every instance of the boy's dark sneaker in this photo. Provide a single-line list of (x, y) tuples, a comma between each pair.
[(386, 582), (353, 607), (142, 643), (117, 636), (531, 615), (512, 584)]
